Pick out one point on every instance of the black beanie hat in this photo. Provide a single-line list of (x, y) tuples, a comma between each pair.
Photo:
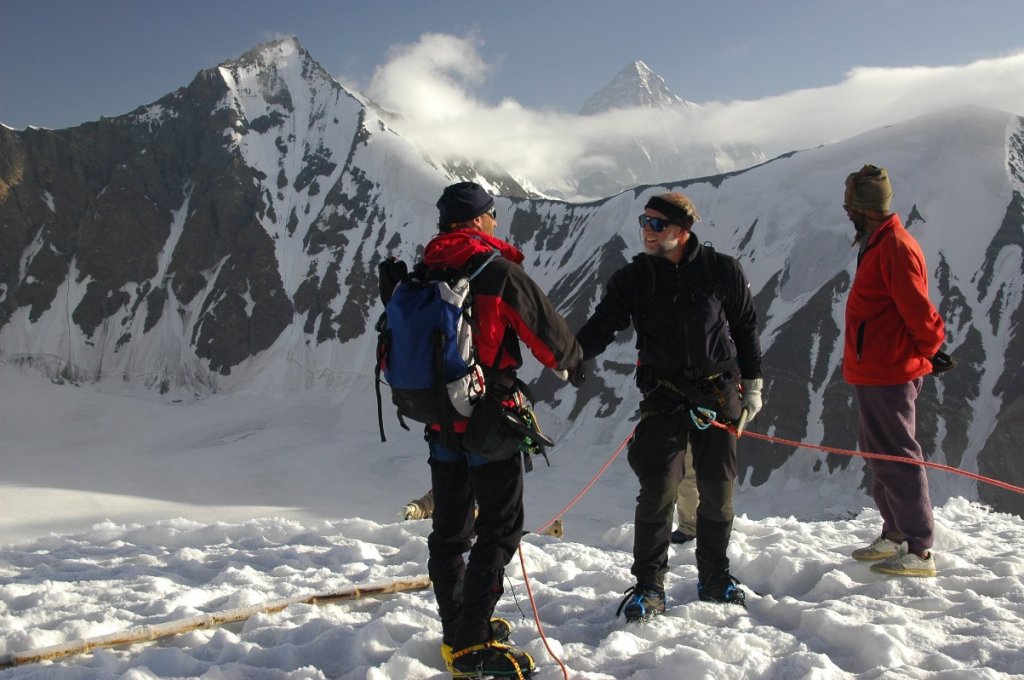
[(462, 202)]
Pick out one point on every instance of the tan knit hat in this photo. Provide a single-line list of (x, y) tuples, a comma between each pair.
[(868, 189)]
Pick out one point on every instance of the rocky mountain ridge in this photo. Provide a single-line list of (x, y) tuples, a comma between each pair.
[(228, 235)]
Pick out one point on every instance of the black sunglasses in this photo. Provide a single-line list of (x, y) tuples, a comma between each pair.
[(655, 224)]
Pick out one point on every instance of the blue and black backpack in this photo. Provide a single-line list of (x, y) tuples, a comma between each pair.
[(425, 349)]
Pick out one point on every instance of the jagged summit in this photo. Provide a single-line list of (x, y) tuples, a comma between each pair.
[(653, 155), (271, 60), (635, 85), (270, 50)]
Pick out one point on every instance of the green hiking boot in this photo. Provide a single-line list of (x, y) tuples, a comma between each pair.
[(906, 564), (880, 549)]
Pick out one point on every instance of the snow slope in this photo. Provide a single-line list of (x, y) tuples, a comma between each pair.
[(119, 512)]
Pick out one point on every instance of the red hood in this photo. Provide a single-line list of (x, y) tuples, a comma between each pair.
[(454, 248)]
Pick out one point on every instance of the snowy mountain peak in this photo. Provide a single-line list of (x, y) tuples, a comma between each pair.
[(651, 156), (272, 64), (226, 237), (270, 52), (636, 85)]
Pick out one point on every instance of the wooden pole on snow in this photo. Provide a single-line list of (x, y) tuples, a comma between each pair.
[(161, 630)]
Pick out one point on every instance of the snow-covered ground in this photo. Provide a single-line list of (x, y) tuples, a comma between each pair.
[(118, 511)]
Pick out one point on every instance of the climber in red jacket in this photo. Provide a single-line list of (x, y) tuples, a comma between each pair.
[(893, 336)]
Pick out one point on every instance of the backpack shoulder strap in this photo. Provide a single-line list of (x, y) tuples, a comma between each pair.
[(485, 259), (708, 258), (469, 270)]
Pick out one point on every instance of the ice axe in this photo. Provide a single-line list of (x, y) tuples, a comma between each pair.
[(742, 422)]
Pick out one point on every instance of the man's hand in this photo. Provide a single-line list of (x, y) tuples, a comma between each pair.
[(575, 375), (751, 403), (942, 362)]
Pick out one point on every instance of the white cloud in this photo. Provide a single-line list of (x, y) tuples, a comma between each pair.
[(428, 81), (868, 98), (431, 83)]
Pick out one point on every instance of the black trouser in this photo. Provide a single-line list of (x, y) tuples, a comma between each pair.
[(656, 457), (467, 594)]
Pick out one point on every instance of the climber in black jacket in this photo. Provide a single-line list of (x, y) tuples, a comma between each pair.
[(698, 353)]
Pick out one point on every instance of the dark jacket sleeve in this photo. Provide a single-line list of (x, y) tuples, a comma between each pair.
[(612, 314), (509, 298), (742, 318)]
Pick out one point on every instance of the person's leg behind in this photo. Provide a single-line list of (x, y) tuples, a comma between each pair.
[(686, 502)]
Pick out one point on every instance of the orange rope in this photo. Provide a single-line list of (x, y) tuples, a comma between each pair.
[(591, 483), (876, 456), (536, 616), (522, 561), (746, 433)]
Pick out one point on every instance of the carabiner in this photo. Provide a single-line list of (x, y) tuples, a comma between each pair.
[(703, 418)]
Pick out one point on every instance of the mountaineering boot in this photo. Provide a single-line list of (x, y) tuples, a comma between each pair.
[(906, 564), (723, 588), (642, 603), (680, 536), (501, 631), (880, 549), (492, 659)]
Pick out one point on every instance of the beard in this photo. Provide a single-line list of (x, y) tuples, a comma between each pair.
[(662, 248), (860, 227)]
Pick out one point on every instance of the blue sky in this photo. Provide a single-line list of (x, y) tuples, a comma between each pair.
[(68, 62)]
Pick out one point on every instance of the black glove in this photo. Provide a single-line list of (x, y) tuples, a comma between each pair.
[(942, 362), (577, 374), (390, 272)]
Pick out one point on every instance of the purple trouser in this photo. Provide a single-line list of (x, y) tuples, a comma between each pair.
[(887, 424)]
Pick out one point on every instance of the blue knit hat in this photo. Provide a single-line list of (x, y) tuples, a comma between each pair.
[(462, 202)]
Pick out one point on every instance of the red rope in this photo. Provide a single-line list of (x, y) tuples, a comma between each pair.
[(746, 433), (522, 561), (876, 456), (585, 489), (536, 616)]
